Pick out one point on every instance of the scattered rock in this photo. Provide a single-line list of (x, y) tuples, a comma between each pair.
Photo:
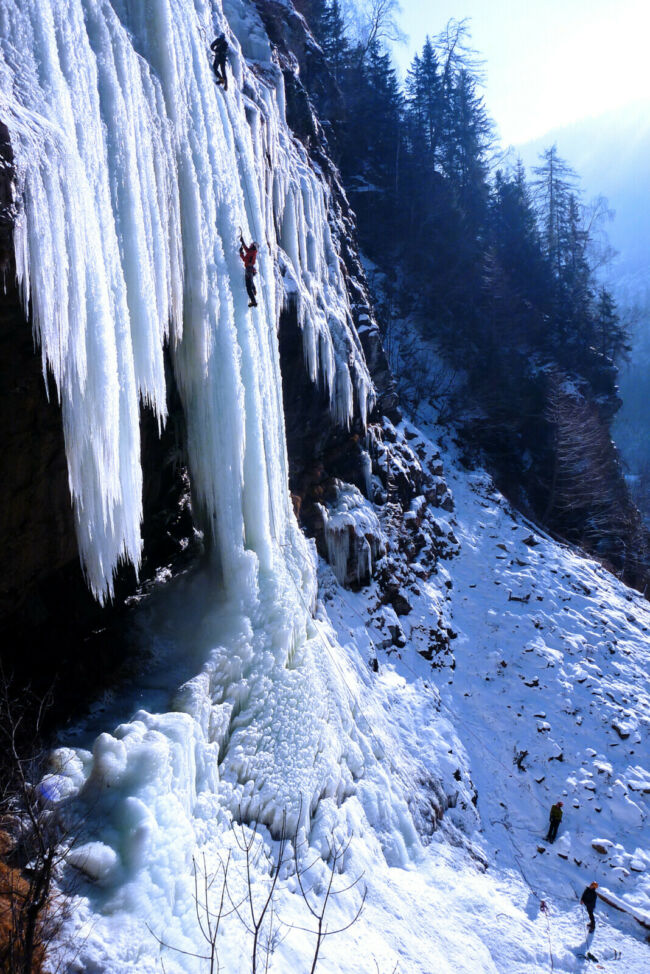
[(621, 729), (601, 846), (519, 759)]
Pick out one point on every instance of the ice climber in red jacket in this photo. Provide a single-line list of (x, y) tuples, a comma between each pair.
[(249, 256)]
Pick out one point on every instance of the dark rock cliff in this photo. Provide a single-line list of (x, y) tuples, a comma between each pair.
[(322, 455)]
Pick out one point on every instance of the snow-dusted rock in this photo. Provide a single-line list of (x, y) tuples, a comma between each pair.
[(601, 845)]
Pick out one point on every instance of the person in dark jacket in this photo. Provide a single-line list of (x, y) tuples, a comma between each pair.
[(219, 48), (588, 900), (554, 820), (249, 256)]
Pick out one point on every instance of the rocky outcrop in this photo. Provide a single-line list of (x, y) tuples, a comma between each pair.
[(418, 526), (324, 459)]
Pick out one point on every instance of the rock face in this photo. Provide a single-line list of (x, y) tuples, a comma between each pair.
[(324, 459)]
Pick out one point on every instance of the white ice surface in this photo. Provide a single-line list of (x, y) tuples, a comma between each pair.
[(351, 519), (135, 174)]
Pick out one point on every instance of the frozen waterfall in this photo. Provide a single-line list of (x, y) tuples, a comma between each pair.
[(135, 174)]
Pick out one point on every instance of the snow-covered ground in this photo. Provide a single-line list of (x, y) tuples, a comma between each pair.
[(548, 700)]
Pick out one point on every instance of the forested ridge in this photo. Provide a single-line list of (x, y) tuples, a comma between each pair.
[(495, 269)]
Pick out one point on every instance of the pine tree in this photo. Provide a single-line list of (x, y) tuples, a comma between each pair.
[(468, 137), (515, 234), (553, 188), (611, 337), (425, 104), (330, 32)]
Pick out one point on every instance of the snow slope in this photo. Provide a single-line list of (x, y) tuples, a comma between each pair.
[(551, 659)]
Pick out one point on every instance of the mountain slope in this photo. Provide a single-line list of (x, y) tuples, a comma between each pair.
[(547, 700), (532, 701)]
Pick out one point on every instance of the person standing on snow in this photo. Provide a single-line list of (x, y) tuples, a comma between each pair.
[(219, 48), (554, 820), (249, 256), (588, 900)]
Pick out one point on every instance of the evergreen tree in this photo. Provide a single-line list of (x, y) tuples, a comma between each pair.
[(330, 32), (468, 137), (553, 188), (611, 337), (500, 273), (516, 238), (373, 148), (425, 105)]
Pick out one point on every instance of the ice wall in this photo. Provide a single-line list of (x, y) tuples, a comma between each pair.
[(135, 174), (353, 535)]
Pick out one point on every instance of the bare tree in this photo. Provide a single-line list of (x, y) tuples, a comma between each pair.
[(31, 836), (209, 919), (317, 906), (596, 216), (256, 910), (265, 939), (374, 22)]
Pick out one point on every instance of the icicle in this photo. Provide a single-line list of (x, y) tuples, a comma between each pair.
[(351, 529)]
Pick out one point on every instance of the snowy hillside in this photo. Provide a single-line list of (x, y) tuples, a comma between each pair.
[(546, 699)]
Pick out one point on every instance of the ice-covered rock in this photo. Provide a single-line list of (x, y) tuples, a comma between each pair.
[(98, 861), (353, 536)]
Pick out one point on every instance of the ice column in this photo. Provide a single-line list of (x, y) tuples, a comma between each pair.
[(135, 174)]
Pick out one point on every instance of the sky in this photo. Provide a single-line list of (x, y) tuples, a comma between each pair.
[(548, 63)]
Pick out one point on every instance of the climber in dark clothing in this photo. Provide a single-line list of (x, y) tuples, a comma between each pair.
[(554, 820), (588, 900), (219, 48), (249, 256)]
